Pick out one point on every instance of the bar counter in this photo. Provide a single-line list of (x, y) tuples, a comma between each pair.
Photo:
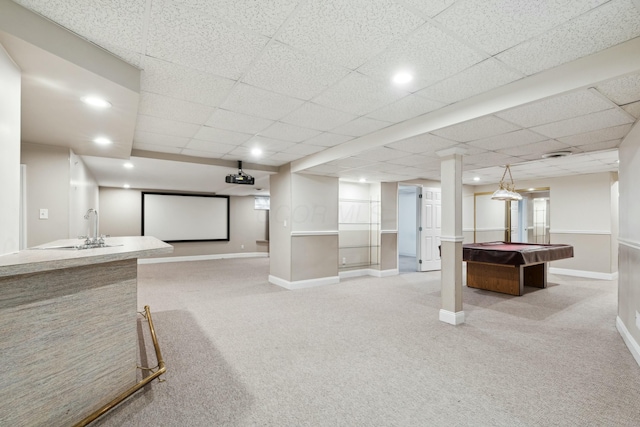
[(68, 328)]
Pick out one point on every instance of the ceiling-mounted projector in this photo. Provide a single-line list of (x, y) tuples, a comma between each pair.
[(240, 177)]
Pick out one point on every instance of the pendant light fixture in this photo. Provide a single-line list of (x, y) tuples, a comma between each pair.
[(506, 191)]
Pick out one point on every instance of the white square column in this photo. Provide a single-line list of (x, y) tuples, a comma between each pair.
[(451, 238)]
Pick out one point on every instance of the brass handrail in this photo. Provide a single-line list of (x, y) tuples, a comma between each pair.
[(115, 402)]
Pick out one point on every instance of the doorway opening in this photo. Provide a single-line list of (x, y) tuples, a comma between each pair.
[(408, 225)]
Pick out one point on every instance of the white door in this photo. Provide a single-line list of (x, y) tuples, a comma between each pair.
[(430, 229)]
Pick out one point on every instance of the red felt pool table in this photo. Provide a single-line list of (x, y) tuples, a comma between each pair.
[(509, 267)]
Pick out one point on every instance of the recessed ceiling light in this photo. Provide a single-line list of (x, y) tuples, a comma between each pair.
[(96, 101), (256, 152), (102, 140), (126, 186), (476, 178), (531, 189), (402, 78), (363, 180), (128, 165)]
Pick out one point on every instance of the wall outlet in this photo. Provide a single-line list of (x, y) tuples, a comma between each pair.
[(344, 260), (44, 213)]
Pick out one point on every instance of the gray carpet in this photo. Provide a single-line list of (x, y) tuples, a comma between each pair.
[(371, 352)]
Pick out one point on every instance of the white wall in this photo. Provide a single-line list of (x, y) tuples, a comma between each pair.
[(407, 215), (9, 154), (83, 195)]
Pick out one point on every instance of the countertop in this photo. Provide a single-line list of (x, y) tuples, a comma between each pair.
[(39, 259)]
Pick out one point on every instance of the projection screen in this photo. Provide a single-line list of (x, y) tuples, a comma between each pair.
[(173, 217)]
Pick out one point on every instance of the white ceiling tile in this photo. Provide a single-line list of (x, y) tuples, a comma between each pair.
[(165, 126), (327, 139), (324, 169), (207, 133), (418, 161), (382, 154), (200, 41), (496, 25), (610, 24), (428, 8), (291, 72), (156, 148), (555, 109), (582, 124), (165, 107), (286, 157), (317, 117), (230, 120), (244, 154), (489, 159), (268, 144), (476, 79), (471, 130), (361, 126), (428, 53), (347, 33), (622, 91), (536, 148), (118, 22), (137, 59), (176, 81), (198, 153), (600, 135), (159, 139), (209, 146), (406, 108), (598, 146), (633, 109), (425, 143), (258, 102), (508, 140), (304, 149), (264, 16), (288, 132), (359, 94)]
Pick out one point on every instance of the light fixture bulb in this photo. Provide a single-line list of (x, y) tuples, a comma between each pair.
[(126, 186), (476, 178), (402, 78), (256, 152), (102, 140), (363, 179), (96, 102), (128, 165)]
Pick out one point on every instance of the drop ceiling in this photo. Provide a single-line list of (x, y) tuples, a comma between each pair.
[(309, 82)]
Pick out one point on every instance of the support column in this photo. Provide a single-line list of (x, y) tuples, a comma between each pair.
[(451, 237)]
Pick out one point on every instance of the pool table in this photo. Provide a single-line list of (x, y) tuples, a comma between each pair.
[(509, 267)]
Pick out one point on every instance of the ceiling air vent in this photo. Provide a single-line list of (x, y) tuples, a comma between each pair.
[(555, 154)]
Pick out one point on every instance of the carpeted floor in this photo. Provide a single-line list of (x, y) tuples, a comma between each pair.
[(371, 352)]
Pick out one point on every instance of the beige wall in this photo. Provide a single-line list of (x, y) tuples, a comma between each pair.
[(314, 257), (582, 214), (9, 154), (121, 215), (280, 224), (629, 235), (47, 187)]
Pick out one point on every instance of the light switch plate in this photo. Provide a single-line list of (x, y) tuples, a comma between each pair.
[(44, 213)]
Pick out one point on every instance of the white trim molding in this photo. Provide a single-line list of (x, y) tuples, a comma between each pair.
[(604, 232), (583, 273), (628, 339), (202, 257), (303, 284), (455, 239), (629, 243), (315, 233), (368, 272), (388, 231), (451, 318)]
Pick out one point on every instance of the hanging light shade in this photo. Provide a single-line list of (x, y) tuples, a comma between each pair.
[(506, 191)]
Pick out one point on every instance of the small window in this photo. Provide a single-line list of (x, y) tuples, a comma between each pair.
[(262, 203)]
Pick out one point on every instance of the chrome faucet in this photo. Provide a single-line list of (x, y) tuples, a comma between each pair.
[(95, 239)]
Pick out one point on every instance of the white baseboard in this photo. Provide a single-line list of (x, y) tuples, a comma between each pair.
[(303, 284), (202, 257), (631, 343), (368, 272), (583, 273), (452, 318)]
